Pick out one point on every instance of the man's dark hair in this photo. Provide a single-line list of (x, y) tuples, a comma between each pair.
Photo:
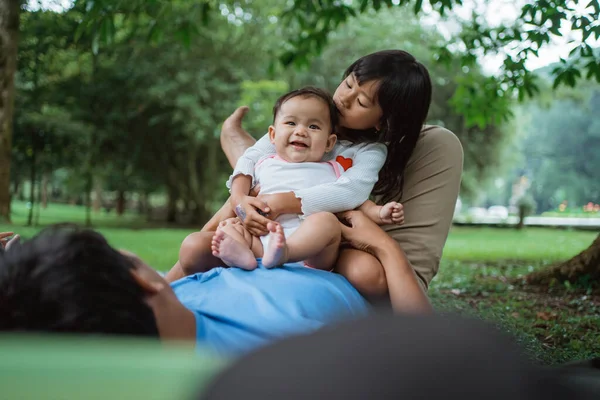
[(310, 91), (69, 280)]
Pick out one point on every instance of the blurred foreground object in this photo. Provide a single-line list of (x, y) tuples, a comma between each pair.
[(398, 357), (69, 368)]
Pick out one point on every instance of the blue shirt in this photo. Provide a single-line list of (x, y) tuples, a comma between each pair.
[(238, 310)]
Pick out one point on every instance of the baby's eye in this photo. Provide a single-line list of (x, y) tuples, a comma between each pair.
[(314, 127), (291, 123)]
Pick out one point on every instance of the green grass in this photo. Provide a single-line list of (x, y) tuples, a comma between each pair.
[(158, 246), (479, 276), (531, 244), (59, 213)]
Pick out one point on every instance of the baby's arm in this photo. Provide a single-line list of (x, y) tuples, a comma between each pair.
[(351, 189), (389, 213), (246, 163), (242, 180)]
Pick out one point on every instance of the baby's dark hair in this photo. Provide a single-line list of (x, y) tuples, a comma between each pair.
[(310, 91), (69, 280)]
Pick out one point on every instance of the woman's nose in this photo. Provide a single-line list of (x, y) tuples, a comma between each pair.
[(345, 98)]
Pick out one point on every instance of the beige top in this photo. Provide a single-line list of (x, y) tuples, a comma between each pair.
[(431, 187)]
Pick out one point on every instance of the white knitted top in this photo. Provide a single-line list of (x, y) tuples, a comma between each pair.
[(361, 162)]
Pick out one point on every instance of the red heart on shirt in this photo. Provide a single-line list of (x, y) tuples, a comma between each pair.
[(344, 162)]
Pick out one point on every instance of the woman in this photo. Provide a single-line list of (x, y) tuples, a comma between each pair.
[(384, 97)]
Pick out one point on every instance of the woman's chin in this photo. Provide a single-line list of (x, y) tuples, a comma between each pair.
[(349, 125)]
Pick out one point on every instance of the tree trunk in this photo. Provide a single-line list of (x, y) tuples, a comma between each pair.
[(97, 195), (147, 206), (521, 218), (88, 200), (142, 204), (32, 179), (172, 205), (36, 218), (120, 202), (44, 191), (16, 185), (9, 38), (585, 263)]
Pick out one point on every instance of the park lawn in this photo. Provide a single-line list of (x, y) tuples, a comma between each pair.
[(479, 277)]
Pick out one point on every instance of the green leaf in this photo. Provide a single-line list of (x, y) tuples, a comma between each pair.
[(205, 10), (287, 58), (418, 6)]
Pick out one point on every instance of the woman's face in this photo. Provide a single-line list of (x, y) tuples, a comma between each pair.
[(358, 104)]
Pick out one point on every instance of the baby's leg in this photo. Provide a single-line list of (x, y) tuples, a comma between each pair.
[(316, 241), (234, 245), (363, 271)]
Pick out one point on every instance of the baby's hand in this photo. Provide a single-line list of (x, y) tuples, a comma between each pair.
[(392, 213)]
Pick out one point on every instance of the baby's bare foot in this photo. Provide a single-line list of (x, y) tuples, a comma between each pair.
[(276, 251), (232, 252)]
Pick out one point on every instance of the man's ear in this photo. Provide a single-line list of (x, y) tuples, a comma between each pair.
[(151, 288), (331, 140), (272, 134)]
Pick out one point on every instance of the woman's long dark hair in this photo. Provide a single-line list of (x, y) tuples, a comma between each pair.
[(404, 95)]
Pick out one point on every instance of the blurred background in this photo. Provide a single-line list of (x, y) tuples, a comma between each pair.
[(118, 107)]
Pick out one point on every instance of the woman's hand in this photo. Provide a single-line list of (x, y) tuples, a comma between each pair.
[(404, 290), (246, 208), (364, 234)]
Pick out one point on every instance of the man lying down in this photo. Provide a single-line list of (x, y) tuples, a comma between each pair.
[(72, 281)]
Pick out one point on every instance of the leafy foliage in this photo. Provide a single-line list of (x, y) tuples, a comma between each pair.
[(132, 93), (560, 149)]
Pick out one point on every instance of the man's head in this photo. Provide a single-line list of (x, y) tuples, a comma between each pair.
[(303, 125), (67, 280)]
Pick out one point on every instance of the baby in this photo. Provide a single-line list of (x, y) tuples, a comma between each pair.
[(302, 133)]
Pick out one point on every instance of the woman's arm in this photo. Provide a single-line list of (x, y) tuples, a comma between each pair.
[(406, 294), (404, 290), (348, 192)]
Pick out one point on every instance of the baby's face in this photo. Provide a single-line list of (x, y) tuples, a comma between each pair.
[(302, 130)]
